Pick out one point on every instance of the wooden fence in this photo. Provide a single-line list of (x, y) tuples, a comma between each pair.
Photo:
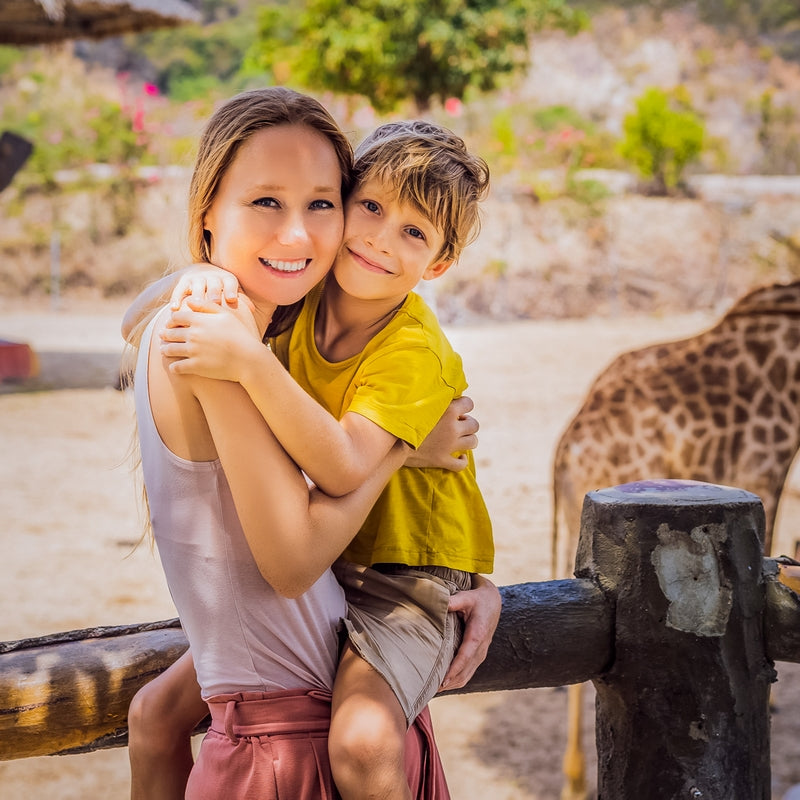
[(674, 615)]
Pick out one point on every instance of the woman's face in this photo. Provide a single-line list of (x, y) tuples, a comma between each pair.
[(277, 219)]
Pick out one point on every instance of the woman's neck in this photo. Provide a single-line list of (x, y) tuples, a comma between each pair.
[(262, 314)]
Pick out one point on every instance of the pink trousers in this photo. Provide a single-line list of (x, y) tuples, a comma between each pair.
[(274, 746)]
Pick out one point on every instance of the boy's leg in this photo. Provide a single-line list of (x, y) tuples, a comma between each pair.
[(367, 736), (161, 718)]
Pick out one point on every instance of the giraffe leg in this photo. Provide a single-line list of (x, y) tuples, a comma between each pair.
[(574, 761)]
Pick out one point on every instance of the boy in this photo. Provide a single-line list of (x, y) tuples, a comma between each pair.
[(368, 364)]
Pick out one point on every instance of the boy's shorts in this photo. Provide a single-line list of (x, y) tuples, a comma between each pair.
[(398, 622), (274, 746)]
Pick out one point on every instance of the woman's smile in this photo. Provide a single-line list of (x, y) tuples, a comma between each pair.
[(289, 267)]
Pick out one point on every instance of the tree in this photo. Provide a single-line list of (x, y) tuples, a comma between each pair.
[(392, 50), (662, 136)]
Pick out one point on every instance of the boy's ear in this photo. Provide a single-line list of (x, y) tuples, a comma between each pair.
[(437, 270)]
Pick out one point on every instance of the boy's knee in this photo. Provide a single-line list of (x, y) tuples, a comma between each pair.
[(363, 744)]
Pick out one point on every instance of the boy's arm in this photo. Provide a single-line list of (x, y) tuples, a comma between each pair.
[(148, 300), (196, 280), (338, 456)]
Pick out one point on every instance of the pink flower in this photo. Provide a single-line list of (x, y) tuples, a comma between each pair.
[(150, 89), (138, 118), (454, 107)]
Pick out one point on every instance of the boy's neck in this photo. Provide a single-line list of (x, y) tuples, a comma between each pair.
[(345, 324)]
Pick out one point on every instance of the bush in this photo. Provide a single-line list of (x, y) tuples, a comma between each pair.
[(662, 137)]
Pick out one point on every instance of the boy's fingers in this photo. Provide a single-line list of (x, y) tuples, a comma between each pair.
[(463, 405), (230, 290), (181, 290), (469, 425), (456, 463)]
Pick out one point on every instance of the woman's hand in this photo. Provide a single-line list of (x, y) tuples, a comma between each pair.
[(480, 609), (446, 445), (206, 282), (212, 341)]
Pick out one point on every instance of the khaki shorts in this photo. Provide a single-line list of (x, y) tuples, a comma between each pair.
[(398, 622)]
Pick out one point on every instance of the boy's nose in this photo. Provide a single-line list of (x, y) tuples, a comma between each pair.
[(378, 241)]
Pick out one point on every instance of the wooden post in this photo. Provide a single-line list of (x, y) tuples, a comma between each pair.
[(683, 710)]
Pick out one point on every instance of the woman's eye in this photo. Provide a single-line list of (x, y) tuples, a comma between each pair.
[(269, 202), (322, 204)]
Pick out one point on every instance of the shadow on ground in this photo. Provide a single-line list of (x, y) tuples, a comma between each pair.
[(66, 370), (525, 736)]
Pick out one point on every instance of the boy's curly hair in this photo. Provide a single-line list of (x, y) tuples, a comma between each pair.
[(430, 167)]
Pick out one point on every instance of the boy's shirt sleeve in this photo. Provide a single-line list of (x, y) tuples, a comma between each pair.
[(404, 390)]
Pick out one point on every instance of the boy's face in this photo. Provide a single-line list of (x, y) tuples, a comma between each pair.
[(388, 246)]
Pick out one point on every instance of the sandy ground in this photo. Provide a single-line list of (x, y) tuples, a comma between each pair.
[(71, 519)]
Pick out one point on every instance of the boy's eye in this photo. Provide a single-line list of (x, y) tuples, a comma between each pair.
[(268, 202), (372, 206), (416, 233)]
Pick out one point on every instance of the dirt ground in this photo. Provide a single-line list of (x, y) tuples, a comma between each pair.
[(71, 520)]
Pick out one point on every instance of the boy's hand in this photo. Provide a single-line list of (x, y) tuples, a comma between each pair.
[(446, 445), (212, 341), (480, 609), (206, 282)]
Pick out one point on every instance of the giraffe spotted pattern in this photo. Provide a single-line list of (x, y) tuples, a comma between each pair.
[(720, 407)]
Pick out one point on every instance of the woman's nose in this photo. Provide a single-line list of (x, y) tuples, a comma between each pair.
[(293, 230)]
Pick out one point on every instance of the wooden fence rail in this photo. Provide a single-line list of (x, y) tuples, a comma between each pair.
[(675, 617)]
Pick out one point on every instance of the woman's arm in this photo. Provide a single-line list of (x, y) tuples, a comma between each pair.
[(480, 609), (338, 455), (293, 534)]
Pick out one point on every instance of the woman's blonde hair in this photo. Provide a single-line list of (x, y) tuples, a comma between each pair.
[(430, 167)]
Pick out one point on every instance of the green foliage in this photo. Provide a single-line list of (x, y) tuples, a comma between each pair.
[(589, 192), (392, 50), (554, 118), (526, 140), (9, 56), (662, 137), (193, 61), (777, 135), (72, 126)]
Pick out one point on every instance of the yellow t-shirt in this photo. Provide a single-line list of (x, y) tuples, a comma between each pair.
[(403, 380)]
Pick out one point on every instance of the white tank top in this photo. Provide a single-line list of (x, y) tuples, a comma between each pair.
[(244, 636)]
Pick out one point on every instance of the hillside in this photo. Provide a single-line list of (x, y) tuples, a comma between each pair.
[(556, 242)]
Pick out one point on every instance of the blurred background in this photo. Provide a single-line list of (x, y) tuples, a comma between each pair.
[(643, 154), (644, 158)]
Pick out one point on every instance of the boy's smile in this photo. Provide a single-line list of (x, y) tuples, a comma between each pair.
[(389, 245)]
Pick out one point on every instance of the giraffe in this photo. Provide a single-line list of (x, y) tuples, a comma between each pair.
[(720, 407)]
